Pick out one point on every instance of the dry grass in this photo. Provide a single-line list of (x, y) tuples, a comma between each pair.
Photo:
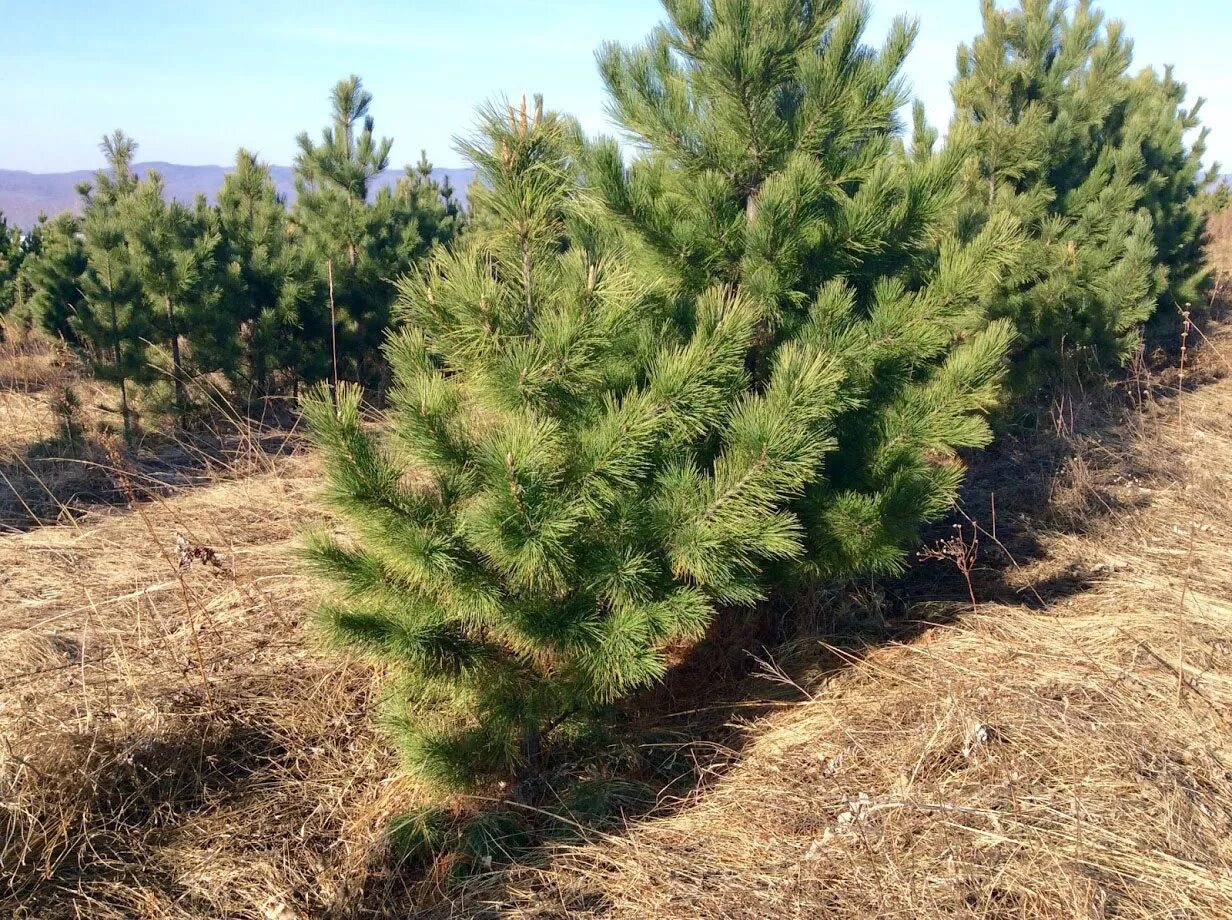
[(1069, 762), (172, 746), (33, 378), (1219, 253), (51, 414), (60, 429)]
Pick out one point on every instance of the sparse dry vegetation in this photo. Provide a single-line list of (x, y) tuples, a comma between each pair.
[(48, 467), (1063, 752), (1071, 761), (159, 702), (175, 747), (1219, 253)]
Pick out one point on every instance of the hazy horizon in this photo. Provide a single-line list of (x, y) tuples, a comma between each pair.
[(192, 84)]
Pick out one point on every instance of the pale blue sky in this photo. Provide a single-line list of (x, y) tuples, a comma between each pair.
[(192, 81)]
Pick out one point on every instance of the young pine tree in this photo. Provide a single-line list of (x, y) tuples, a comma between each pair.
[(439, 215), (172, 247), (361, 242), (52, 271), (333, 178), (11, 255), (772, 168), (117, 181), (410, 218), (1177, 191), (547, 513), (113, 323), (270, 294), (333, 181), (1094, 164)]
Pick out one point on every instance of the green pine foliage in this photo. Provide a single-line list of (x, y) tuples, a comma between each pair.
[(361, 243), (771, 166), (548, 514), (434, 201), (1096, 164), (278, 325), (113, 323), (333, 178), (11, 257), (244, 291), (1176, 184), (173, 251), (18, 310), (52, 270)]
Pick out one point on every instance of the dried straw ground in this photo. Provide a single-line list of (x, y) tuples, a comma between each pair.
[(1219, 254), (172, 745), (1066, 756)]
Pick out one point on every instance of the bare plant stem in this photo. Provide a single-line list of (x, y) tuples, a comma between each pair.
[(1185, 330), (333, 318), (1180, 655), (185, 598)]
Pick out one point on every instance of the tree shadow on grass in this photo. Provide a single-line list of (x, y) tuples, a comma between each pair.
[(111, 794), (1066, 467), (70, 473), (666, 746)]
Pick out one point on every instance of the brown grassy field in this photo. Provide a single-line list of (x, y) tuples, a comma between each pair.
[(173, 744), (1219, 254), (1065, 755)]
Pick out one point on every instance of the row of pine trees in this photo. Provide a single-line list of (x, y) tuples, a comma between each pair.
[(646, 388), (157, 294), (640, 388)]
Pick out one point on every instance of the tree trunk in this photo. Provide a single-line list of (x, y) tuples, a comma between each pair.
[(531, 745), (992, 175), (117, 359), (382, 384), (177, 369), (128, 424), (333, 319), (528, 315)]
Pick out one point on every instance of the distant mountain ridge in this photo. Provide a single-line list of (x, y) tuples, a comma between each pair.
[(24, 195)]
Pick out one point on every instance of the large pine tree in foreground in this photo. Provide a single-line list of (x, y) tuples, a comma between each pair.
[(762, 349), (770, 166), (549, 512)]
